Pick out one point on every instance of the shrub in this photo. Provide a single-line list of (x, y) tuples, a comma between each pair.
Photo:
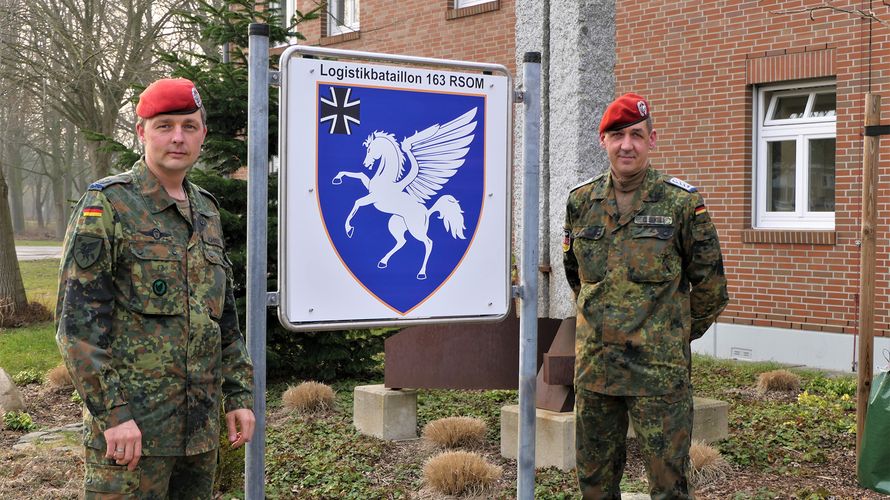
[(18, 421), (75, 398), (308, 397), (29, 376), (34, 312), (459, 472), (707, 464), (59, 377), (778, 380), (455, 432)]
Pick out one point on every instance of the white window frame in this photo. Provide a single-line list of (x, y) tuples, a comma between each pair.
[(800, 130), (338, 24), (460, 4)]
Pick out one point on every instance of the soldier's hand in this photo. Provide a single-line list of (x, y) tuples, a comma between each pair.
[(240, 424), (124, 443)]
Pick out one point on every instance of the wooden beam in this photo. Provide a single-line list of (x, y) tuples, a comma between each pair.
[(867, 266)]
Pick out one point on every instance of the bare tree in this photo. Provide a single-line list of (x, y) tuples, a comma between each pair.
[(86, 55)]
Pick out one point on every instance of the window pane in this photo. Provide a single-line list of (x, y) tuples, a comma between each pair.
[(781, 158), (821, 196), (824, 105), (791, 106)]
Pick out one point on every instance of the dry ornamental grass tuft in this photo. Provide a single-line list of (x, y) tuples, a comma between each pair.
[(459, 472), (456, 432), (59, 377), (778, 380), (707, 464), (308, 397)]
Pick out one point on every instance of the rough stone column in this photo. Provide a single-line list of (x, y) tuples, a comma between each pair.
[(577, 42)]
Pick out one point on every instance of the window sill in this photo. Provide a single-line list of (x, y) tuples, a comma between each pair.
[(342, 37), (481, 8), (786, 236)]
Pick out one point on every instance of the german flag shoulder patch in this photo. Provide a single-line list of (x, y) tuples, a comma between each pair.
[(92, 211)]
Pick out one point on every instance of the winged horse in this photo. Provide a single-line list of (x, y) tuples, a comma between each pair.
[(434, 155)]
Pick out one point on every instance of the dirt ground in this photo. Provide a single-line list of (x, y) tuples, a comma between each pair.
[(41, 474)]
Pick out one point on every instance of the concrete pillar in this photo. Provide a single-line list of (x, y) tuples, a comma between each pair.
[(577, 42), (555, 432), (385, 413)]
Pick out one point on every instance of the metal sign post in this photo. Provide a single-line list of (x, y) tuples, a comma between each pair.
[(394, 193), (528, 293), (257, 219)]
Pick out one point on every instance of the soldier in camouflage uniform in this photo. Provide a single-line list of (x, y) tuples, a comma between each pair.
[(642, 258), (146, 316)]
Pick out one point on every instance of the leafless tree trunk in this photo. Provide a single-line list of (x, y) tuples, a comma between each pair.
[(39, 198), (12, 292)]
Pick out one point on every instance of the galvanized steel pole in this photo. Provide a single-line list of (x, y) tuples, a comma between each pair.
[(257, 218), (528, 321)]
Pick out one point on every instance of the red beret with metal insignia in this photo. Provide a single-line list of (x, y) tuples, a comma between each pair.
[(173, 96), (625, 111)]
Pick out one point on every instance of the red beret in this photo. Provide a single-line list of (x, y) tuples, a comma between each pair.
[(625, 111), (174, 96)]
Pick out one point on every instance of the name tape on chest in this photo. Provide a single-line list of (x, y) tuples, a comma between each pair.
[(682, 184), (653, 220)]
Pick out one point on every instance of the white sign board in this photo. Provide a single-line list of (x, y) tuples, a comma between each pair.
[(395, 191)]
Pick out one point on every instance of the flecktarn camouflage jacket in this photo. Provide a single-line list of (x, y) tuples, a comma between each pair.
[(646, 284), (146, 316)]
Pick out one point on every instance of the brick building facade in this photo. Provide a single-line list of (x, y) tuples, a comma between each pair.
[(482, 32), (760, 104), (701, 64)]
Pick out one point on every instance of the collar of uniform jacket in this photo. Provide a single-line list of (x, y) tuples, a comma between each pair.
[(156, 197), (652, 188)]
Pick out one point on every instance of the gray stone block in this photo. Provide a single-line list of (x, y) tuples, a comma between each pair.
[(385, 413)]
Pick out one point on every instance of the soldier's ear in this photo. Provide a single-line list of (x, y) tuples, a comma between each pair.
[(140, 132)]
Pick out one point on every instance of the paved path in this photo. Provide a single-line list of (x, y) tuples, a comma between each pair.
[(38, 253)]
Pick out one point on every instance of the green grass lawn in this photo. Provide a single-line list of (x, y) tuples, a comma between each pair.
[(37, 243), (33, 347), (41, 279)]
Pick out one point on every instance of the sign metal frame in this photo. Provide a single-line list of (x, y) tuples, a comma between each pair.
[(297, 52)]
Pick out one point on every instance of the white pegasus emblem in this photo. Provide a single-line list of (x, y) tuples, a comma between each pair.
[(435, 154)]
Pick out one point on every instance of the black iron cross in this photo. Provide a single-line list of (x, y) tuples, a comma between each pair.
[(340, 111)]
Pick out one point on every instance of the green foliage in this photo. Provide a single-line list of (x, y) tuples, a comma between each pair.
[(18, 421), (327, 458), (29, 348), (123, 156), (433, 404), (832, 387), (75, 398), (776, 435), (28, 376), (223, 84)]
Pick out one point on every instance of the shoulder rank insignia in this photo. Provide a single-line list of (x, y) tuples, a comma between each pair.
[(108, 181), (682, 185), (584, 183)]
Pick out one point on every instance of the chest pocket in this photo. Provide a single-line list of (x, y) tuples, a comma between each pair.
[(156, 278), (651, 256), (212, 290), (591, 251)]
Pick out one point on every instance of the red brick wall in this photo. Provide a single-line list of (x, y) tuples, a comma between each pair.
[(427, 28), (696, 62)]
